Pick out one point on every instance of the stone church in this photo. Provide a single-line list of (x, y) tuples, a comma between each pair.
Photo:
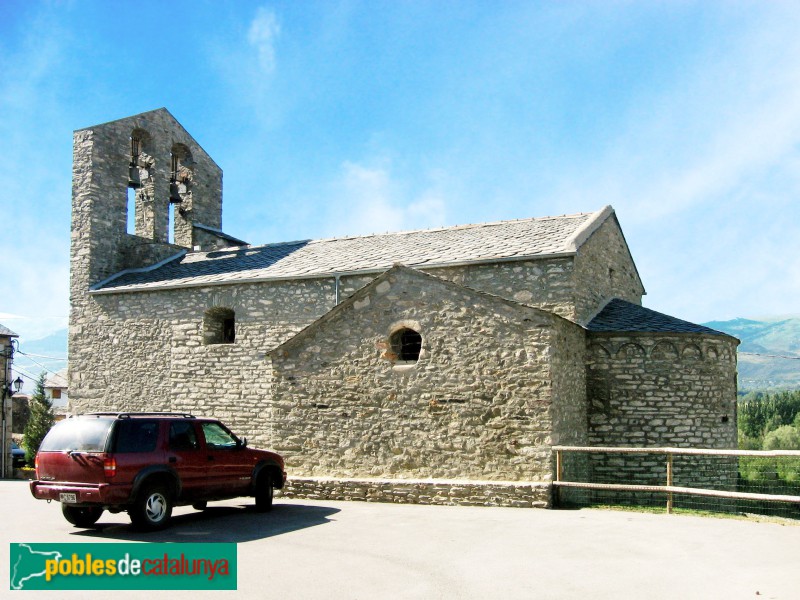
[(438, 365)]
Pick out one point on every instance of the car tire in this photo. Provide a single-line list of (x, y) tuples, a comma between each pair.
[(152, 508), (264, 492), (81, 516)]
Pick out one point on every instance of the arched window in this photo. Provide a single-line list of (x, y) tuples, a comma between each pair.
[(181, 175), (140, 185), (406, 344), (219, 326)]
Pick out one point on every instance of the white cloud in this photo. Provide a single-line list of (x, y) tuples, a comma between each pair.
[(366, 199), (261, 36)]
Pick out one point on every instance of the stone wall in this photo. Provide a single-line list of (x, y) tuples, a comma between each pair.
[(461, 493), (604, 270), (547, 283), (568, 370), (144, 350), (477, 404), (662, 390)]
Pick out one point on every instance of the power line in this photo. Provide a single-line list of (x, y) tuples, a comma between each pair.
[(38, 364), (20, 371), (42, 355), (771, 355)]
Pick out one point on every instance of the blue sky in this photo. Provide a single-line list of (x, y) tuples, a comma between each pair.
[(334, 118)]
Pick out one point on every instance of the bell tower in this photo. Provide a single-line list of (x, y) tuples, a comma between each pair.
[(141, 188)]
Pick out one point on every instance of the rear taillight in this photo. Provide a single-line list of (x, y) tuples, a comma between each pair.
[(109, 467), (36, 465)]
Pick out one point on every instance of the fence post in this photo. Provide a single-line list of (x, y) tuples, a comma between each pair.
[(669, 482), (559, 474), (559, 466)]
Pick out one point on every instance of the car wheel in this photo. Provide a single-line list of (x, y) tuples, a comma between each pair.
[(81, 516), (152, 509), (200, 505), (264, 492)]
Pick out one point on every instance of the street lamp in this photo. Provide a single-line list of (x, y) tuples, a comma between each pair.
[(12, 387)]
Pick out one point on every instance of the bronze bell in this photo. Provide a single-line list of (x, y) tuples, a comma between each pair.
[(134, 181), (174, 194)]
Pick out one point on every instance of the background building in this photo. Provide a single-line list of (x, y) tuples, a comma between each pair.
[(7, 390)]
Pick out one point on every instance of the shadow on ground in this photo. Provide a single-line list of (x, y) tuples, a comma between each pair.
[(216, 524)]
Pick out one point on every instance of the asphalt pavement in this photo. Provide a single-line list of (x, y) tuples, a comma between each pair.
[(321, 549)]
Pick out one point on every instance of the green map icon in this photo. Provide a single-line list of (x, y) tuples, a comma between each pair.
[(28, 564)]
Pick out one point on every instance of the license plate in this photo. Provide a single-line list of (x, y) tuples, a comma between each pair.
[(68, 498)]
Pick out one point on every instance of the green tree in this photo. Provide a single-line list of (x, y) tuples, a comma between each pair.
[(759, 413), (785, 437), (39, 423)]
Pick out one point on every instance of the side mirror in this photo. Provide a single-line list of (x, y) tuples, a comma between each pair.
[(243, 443)]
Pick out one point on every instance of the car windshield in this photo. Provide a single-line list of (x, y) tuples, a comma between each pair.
[(81, 435)]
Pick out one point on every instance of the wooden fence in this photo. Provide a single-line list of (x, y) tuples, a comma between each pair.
[(668, 488)]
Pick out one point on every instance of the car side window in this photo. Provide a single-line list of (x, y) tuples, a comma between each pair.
[(217, 436), (136, 436), (182, 436)]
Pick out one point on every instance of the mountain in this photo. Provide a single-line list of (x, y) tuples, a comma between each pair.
[(762, 343)]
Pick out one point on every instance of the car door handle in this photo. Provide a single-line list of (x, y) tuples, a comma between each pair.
[(210, 457), (173, 459)]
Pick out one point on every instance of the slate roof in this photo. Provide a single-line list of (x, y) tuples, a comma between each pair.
[(620, 316), (5, 331), (504, 240)]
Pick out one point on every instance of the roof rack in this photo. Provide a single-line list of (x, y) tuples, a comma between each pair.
[(128, 415)]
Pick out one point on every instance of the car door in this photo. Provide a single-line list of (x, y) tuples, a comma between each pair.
[(186, 456), (229, 470)]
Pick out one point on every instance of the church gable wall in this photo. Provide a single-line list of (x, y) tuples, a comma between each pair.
[(476, 405), (604, 270)]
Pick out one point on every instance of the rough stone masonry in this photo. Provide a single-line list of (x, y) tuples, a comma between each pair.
[(433, 366)]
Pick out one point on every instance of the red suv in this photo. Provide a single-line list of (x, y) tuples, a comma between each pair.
[(146, 463)]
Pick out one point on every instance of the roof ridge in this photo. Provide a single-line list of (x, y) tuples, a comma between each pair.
[(410, 231), (582, 233)]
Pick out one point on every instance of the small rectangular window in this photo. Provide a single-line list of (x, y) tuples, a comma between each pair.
[(56, 394), (219, 326)]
